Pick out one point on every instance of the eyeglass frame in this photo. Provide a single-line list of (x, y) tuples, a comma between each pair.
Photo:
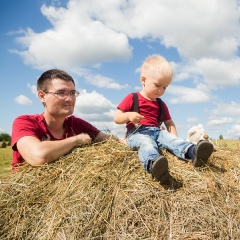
[(73, 93)]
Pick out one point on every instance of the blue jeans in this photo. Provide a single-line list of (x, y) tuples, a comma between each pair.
[(148, 140)]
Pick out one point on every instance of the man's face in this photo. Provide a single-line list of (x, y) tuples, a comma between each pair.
[(59, 100)]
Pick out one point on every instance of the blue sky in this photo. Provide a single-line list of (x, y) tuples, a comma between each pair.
[(102, 44)]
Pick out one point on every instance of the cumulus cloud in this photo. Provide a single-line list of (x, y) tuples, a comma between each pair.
[(223, 109), (192, 120), (182, 94), (220, 121), (234, 132), (88, 33), (214, 27), (92, 106), (33, 88), (111, 127), (99, 111), (104, 82), (75, 39), (23, 100), (220, 73)]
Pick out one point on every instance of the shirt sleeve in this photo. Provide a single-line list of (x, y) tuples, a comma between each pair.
[(24, 126), (127, 104)]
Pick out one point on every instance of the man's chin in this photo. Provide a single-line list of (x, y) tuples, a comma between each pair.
[(67, 112)]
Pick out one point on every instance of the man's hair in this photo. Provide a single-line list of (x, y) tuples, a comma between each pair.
[(46, 78), (156, 64)]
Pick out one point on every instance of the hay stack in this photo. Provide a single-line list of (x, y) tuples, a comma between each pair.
[(3, 144), (102, 192)]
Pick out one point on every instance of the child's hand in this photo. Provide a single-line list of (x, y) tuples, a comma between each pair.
[(135, 117)]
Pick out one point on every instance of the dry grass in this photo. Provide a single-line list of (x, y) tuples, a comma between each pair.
[(102, 192), (223, 143)]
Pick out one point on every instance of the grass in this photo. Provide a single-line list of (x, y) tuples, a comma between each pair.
[(5, 161), (233, 144)]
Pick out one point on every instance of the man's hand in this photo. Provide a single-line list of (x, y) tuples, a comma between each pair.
[(83, 139)]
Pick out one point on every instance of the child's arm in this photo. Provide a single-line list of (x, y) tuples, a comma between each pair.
[(121, 117), (170, 125)]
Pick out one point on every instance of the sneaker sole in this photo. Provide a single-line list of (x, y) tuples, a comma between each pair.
[(203, 152), (160, 169)]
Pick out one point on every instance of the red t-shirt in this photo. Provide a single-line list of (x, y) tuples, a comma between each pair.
[(147, 108), (34, 125)]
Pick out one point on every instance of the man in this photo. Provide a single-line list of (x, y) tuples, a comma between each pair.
[(42, 138)]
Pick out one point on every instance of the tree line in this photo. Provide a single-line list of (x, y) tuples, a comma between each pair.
[(5, 137)]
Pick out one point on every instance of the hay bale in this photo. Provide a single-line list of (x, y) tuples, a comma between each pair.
[(102, 192), (3, 144)]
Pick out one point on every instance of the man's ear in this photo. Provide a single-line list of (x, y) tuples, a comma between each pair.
[(41, 96)]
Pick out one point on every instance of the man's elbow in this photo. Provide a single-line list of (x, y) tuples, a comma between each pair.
[(39, 160)]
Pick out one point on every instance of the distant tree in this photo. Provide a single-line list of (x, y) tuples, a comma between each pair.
[(221, 137), (4, 137)]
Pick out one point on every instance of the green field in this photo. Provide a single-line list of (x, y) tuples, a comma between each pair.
[(5, 161)]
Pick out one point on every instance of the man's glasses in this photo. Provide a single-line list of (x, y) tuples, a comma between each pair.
[(63, 94)]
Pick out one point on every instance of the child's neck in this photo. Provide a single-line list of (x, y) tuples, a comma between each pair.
[(146, 96)]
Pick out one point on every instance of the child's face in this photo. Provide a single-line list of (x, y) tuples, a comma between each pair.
[(154, 85)]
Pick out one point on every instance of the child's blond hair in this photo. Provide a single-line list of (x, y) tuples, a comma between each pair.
[(156, 64)]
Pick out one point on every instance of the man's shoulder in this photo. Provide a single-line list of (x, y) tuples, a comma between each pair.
[(29, 117)]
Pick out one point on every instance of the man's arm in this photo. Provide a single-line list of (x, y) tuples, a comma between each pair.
[(101, 137), (170, 125), (36, 152)]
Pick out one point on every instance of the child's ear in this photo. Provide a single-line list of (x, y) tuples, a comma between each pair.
[(143, 79)]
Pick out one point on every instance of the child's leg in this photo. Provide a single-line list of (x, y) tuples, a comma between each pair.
[(199, 153), (146, 147), (149, 155), (176, 145)]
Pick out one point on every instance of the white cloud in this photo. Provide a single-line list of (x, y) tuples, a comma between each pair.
[(33, 88), (111, 127), (23, 100), (220, 121), (104, 82), (224, 109), (192, 120), (76, 39), (220, 73), (234, 132), (99, 111), (189, 95), (92, 106), (92, 32), (203, 28)]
